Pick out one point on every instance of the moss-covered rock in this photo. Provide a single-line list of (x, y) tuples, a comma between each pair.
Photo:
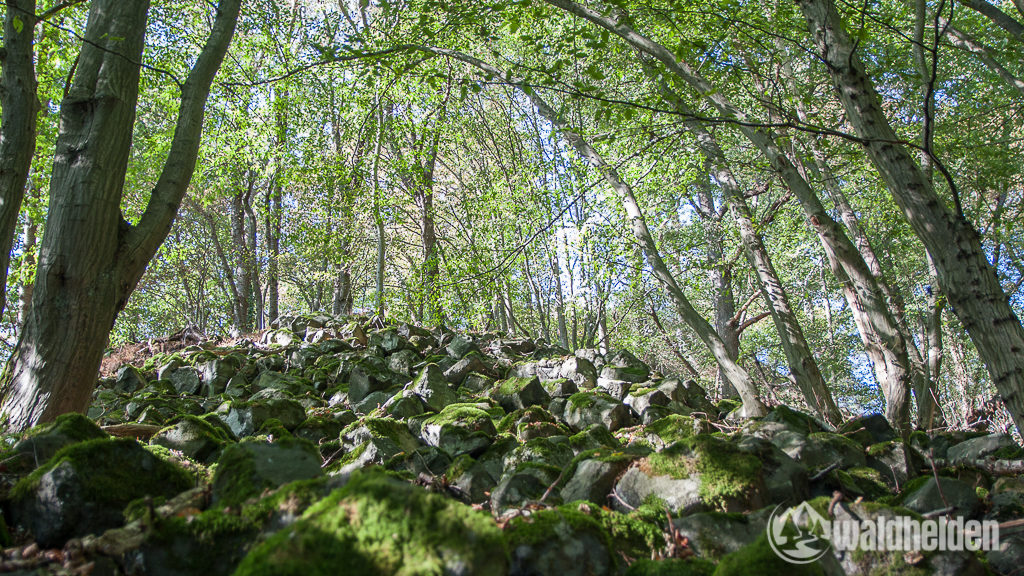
[(40, 443), (377, 525), (586, 409), (459, 429), (759, 558), (730, 479), (564, 540), (248, 468), (84, 487), (192, 436), (519, 392)]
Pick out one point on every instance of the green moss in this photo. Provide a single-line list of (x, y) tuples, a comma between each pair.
[(862, 481), (273, 428), (636, 534), (389, 428), (200, 473), (1009, 453), (376, 525), (75, 426), (464, 414), (881, 448), (726, 473), (671, 428), (727, 405), (837, 441), (585, 400), (692, 566), (293, 498), (796, 420), (596, 434), (513, 385), (545, 526), (759, 558), (108, 471)]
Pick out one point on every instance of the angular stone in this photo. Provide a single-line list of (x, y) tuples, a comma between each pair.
[(585, 409), (947, 492), (468, 364), (246, 469), (370, 375), (184, 379), (979, 448), (617, 389), (402, 361), (192, 436), (460, 429), (129, 379), (516, 393), (594, 479), (432, 386), (84, 487)]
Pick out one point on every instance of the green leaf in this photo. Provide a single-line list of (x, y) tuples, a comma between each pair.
[(18, 24)]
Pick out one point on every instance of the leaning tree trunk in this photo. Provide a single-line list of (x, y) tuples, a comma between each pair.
[(18, 125), (869, 304), (800, 360), (91, 258), (752, 404), (964, 274)]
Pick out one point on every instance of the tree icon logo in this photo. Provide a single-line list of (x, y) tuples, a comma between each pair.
[(800, 534)]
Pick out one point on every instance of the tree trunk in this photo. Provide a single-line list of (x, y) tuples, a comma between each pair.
[(752, 404), (964, 274), (883, 334), (802, 364), (90, 257), (18, 125), (29, 263), (720, 276), (244, 263)]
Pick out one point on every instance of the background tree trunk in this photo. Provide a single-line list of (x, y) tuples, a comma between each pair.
[(18, 125)]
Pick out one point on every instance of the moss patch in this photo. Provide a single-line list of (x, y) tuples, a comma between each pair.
[(725, 471), (759, 558), (376, 525), (672, 567), (671, 428)]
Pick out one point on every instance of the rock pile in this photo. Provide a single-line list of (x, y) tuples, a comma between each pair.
[(329, 445)]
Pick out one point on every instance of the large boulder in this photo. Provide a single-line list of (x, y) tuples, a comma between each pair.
[(248, 468), (192, 436), (375, 524), (459, 429), (585, 409), (432, 386), (517, 393), (42, 442), (695, 474), (85, 486), (563, 541)]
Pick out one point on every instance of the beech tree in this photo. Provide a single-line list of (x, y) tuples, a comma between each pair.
[(964, 273), (91, 258)]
